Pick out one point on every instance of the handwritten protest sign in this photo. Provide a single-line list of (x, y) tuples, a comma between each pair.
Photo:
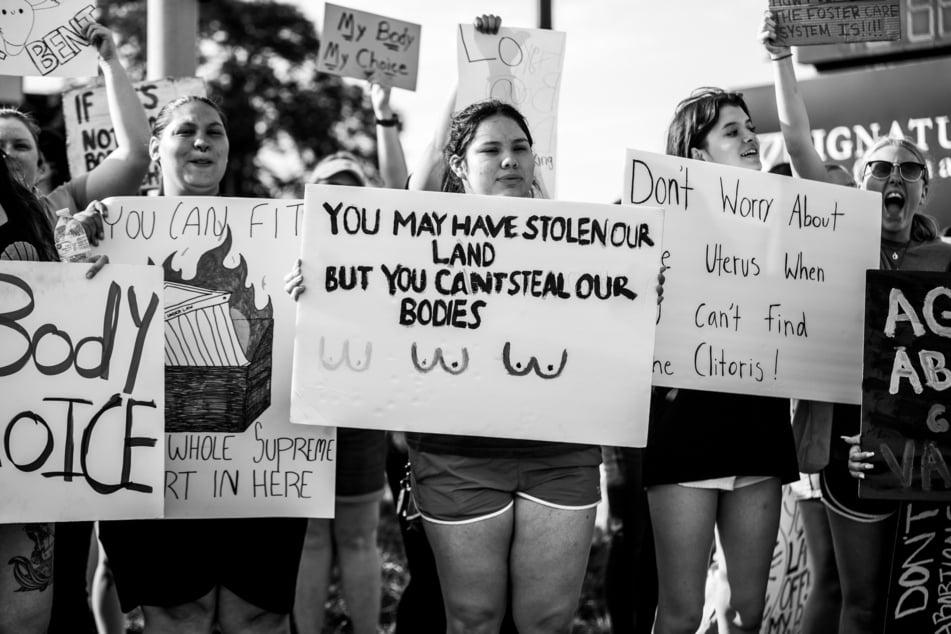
[(82, 406), (919, 592), (807, 22), (765, 290), (89, 134), (229, 331), (904, 408), (45, 37), (494, 316), (521, 67), (369, 46)]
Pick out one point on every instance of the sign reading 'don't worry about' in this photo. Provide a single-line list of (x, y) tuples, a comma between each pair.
[(905, 417), (521, 67), (369, 46), (90, 136), (45, 37), (765, 288), (81, 417), (476, 315), (807, 22)]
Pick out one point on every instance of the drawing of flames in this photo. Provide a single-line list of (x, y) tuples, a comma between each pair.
[(218, 347)]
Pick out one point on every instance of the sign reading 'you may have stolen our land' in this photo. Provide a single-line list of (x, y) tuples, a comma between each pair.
[(476, 315)]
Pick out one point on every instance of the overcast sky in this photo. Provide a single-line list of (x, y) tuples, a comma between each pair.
[(627, 64)]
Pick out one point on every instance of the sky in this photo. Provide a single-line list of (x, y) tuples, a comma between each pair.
[(627, 64)]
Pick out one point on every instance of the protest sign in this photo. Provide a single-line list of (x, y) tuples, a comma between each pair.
[(476, 315), (229, 331), (90, 137), (765, 289), (904, 408), (521, 67), (45, 37), (369, 46), (82, 406), (919, 589), (808, 22)]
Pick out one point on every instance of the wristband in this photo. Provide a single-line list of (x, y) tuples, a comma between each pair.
[(388, 123), (776, 59)]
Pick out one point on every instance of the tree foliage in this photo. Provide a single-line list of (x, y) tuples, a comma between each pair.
[(259, 61)]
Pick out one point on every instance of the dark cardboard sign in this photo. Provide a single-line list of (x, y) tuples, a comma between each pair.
[(809, 22), (905, 387), (919, 587)]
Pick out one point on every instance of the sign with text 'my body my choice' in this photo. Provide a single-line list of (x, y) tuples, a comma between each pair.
[(905, 417), (369, 46), (522, 67), (766, 279), (476, 315), (89, 133), (45, 37), (82, 385), (229, 333), (807, 22)]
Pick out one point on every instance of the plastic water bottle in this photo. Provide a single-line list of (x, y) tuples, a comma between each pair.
[(70, 237)]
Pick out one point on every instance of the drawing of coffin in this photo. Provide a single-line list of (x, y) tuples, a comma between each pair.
[(213, 383)]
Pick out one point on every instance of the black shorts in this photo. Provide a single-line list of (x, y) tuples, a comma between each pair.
[(361, 463), (166, 563)]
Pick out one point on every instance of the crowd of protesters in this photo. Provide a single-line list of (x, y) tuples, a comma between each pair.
[(497, 531)]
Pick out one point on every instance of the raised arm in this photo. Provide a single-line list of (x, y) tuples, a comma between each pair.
[(430, 168), (793, 117), (122, 171), (388, 147)]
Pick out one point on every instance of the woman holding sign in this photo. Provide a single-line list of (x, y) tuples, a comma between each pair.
[(227, 575), (120, 174), (715, 460), (26, 550), (505, 518), (863, 531)]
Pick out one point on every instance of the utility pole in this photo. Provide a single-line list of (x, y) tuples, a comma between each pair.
[(544, 14), (172, 38)]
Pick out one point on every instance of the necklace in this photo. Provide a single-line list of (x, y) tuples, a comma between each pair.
[(896, 251)]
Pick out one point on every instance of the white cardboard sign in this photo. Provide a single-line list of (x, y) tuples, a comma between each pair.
[(476, 315), (229, 332), (766, 281), (83, 392), (45, 37), (522, 67), (369, 46)]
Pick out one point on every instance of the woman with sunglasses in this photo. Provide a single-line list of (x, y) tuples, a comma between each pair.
[(862, 530)]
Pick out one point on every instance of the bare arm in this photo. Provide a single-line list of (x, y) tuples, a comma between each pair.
[(123, 170), (793, 117), (429, 169), (389, 149)]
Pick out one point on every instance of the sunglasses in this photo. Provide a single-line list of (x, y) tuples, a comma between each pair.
[(909, 170)]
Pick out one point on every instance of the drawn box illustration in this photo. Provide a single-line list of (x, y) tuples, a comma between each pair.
[(218, 348)]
